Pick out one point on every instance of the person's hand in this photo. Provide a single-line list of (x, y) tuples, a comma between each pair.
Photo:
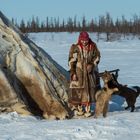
[(89, 68), (74, 77)]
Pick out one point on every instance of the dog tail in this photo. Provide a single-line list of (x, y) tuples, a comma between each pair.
[(137, 89)]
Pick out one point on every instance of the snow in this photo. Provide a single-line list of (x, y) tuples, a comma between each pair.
[(119, 123)]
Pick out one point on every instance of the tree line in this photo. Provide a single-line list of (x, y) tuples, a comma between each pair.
[(104, 24)]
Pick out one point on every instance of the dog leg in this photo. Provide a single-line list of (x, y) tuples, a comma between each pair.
[(126, 107), (132, 108), (128, 104), (105, 109), (97, 111)]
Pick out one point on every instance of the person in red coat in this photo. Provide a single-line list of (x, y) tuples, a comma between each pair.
[(84, 57)]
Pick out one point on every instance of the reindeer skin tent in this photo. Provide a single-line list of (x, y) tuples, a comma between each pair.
[(31, 82)]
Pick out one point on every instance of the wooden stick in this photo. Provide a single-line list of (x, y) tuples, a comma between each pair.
[(111, 71)]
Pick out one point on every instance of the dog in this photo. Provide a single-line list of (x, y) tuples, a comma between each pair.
[(103, 96), (129, 93)]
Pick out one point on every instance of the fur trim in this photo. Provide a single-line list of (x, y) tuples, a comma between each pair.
[(79, 65), (73, 59), (96, 61)]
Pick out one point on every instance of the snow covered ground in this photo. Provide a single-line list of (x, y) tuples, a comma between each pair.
[(119, 124)]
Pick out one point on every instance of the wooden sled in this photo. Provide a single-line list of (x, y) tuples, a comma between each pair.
[(115, 72)]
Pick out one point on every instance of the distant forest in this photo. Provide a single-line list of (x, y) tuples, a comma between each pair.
[(104, 24)]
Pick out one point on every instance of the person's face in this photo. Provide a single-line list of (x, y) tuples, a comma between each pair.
[(84, 42)]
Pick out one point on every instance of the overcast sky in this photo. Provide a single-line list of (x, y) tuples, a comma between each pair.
[(25, 9)]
